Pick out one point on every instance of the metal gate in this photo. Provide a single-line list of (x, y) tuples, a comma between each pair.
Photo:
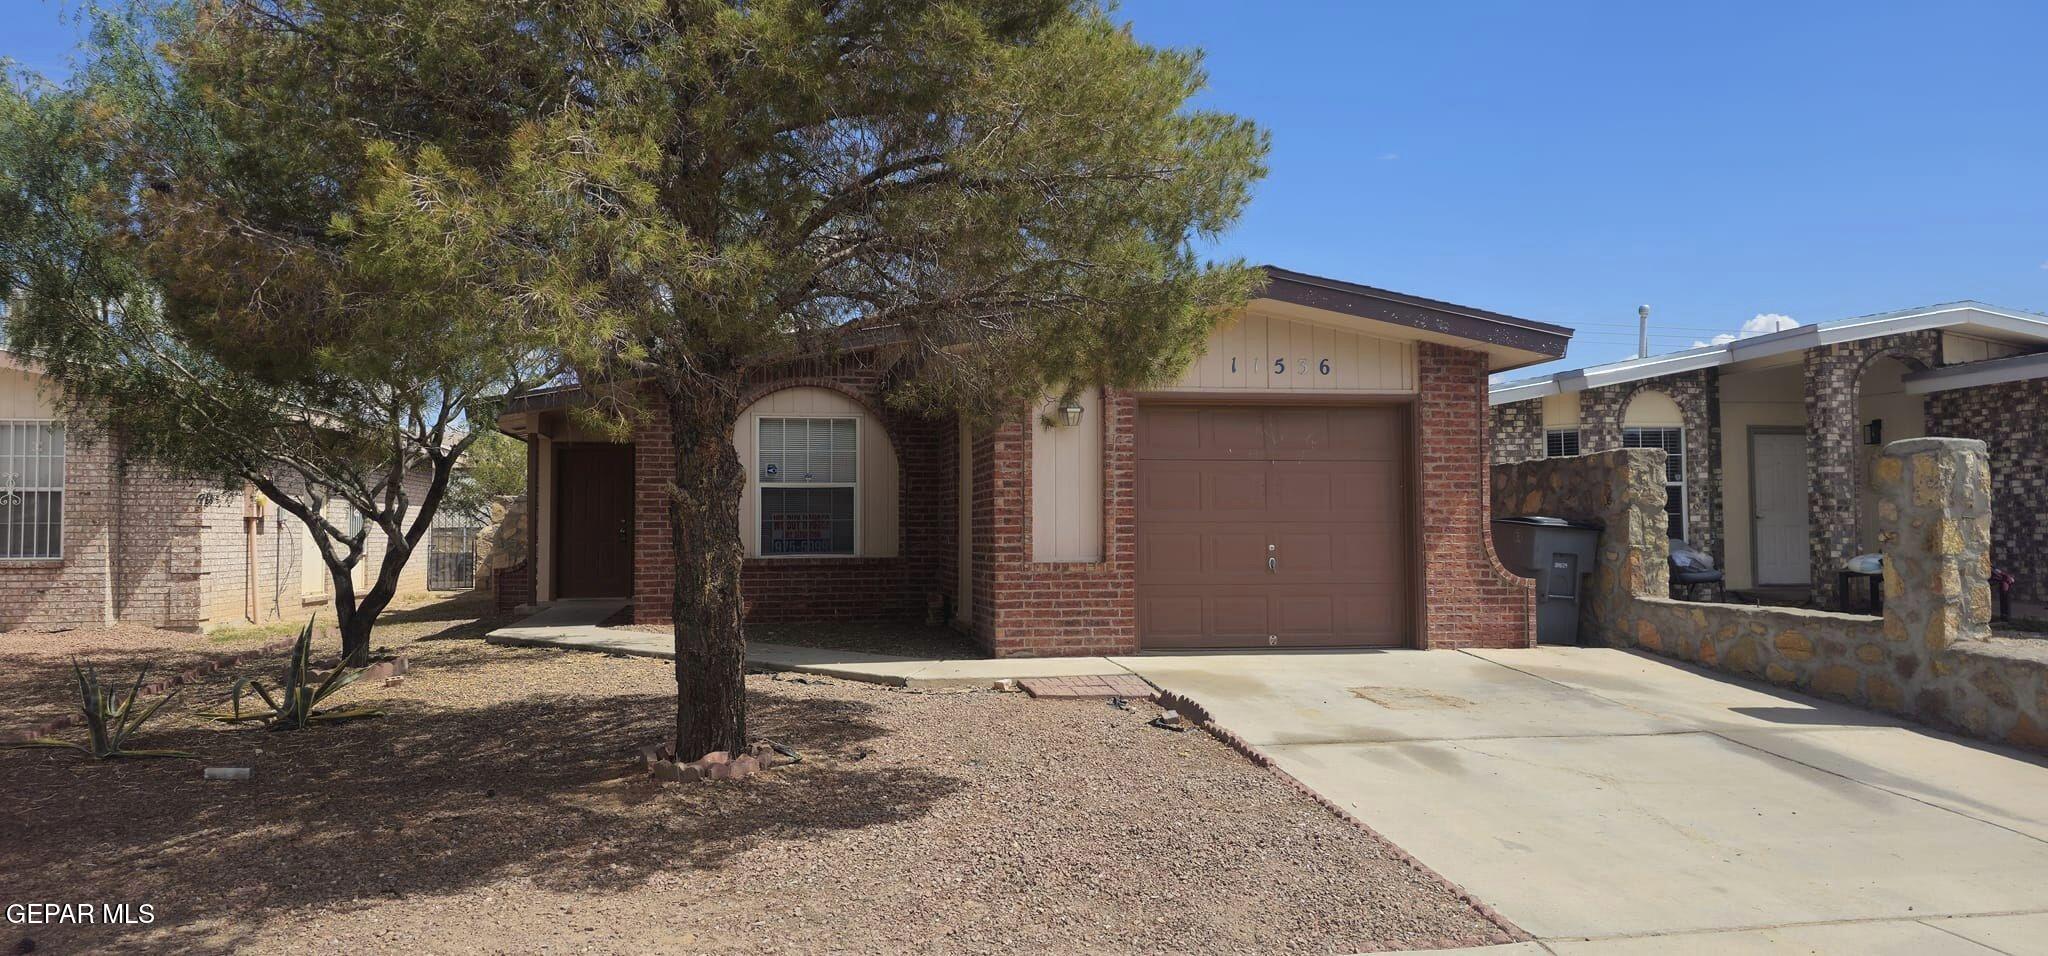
[(451, 552)]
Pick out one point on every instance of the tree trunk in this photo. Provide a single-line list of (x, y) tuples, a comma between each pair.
[(704, 527), (355, 636)]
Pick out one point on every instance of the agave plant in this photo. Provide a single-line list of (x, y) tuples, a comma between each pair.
[(296, 705), (110, 718)]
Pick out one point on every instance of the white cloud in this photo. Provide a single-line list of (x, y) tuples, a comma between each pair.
[(1764, 324), (1390, 157)]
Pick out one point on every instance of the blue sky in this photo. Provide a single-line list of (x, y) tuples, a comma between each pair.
[(1569, 161)]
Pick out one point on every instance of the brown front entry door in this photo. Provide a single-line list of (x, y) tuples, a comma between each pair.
[(1272, 526), (594, 521)]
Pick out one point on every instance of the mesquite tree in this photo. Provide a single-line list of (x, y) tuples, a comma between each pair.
[(1008, 192), (240, 304)]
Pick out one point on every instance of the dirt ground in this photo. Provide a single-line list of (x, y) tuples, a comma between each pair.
[(907, 639), (495, 810)]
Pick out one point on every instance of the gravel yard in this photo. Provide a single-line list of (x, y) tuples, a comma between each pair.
[(495, 810)]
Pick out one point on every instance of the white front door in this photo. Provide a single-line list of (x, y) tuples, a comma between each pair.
[(1778, 480)]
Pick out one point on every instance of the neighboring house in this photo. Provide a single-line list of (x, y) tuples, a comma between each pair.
[(1772, 438), (88, 537), (1318, 478)]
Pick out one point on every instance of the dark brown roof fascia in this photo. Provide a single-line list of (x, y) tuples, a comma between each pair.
[(1415, 312)]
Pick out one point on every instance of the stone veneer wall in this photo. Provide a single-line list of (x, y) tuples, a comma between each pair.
[(1834, 375), (2011, 419), (1518, 431), (1698, 397), (1927, 658)]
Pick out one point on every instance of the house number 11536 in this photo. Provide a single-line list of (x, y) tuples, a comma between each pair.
[(1280, 366)]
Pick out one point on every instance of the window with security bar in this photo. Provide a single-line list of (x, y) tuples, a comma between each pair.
[(31, 489), (1672, 441), (1560, 443), (809, 475)]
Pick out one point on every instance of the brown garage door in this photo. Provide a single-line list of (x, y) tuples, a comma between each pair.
[(1264, 527)]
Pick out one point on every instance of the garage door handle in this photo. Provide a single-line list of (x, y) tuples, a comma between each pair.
[(1272, 565)]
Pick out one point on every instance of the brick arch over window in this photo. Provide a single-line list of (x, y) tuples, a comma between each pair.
[(1602, 412), (1834, 379)]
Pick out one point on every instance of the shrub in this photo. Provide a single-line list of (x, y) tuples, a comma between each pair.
[(296, 704), (110, 718)]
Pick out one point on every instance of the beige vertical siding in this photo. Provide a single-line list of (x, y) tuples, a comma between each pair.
[(876, 500), (1262, 353), (1561, 411), (963, 571), (1066, 483)]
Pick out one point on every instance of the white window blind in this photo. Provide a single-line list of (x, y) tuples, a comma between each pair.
[(809, 472)]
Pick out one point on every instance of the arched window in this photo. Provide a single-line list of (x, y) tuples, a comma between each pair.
[(1654, 421), (821, 477)]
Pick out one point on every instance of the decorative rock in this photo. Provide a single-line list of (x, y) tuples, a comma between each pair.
[(666, 770), (227, 773), (1836, 681), (1794, 646), (1007, 685)]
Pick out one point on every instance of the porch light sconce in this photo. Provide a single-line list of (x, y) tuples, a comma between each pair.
[(1873, 433), (1070, 414)]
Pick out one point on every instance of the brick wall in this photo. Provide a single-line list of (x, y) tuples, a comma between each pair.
[(1518, 431), (157, 547), (1470, 600), (130, 548), (279, 565), (2011, 419), (799, 590), (1833, 377), (1052, 609), (71, 591)]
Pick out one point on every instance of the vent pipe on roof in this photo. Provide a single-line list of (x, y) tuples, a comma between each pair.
[(1643, 336)]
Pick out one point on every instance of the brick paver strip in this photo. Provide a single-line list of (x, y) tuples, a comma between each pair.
[(1104, 685)]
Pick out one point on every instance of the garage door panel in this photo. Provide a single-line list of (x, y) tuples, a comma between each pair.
[(1166, 432), (1236, 491), (1334, 434), (1244, 616), (1172, 615), (1319, 490), (1339, 554), (1184, 553), (1336, 491), (1238, 433)]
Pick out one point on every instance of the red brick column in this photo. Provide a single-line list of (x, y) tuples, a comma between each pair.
[(1043, 609), (1469, 599)]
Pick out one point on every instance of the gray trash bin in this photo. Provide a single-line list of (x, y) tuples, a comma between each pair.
[(1558, 554)]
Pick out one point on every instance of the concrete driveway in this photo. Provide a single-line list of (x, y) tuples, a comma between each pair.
[(1609, 802)]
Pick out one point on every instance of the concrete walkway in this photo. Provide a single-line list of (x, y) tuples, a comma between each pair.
[(1612, 803), (574, 625)]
